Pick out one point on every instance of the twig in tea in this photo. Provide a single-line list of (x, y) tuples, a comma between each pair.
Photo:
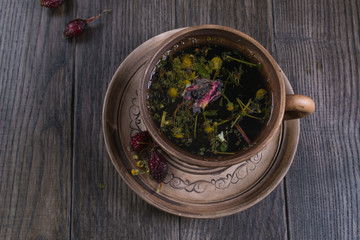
[(243, 133), (195, 125), (162, 124), (237, 119), (244, 108), (177, 109), (259, 65)]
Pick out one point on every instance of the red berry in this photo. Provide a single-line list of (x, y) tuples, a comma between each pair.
[(158, 166), (51, 3), (77, 26), (160, 173), (140, 141)]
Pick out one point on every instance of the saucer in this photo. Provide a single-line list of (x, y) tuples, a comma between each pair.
[(189, 190)]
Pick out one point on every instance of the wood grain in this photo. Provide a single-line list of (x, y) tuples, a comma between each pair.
[(318, 47), (112, 212), (35, 122), (265, 220), (56, 179), (253, 18)]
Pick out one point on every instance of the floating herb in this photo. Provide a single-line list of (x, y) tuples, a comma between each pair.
[(245, 108), (215, 82), (195, 125), (259, 65), (243, 133), (162, 124)]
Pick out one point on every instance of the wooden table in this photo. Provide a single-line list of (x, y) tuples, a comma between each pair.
[(56, 178)]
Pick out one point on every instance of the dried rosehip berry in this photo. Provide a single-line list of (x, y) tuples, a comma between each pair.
[(77, 26), (158, 166), (140, 141), (160, 173), (51, 3)]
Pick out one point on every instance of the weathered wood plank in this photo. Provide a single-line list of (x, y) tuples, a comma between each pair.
[(253, 18), (35, 122), (317, 45), (114, 212), (266, 220), (47, 82)]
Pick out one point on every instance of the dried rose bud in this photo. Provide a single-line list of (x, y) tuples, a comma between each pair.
[(202, 92), (51, 3), (77, 26)]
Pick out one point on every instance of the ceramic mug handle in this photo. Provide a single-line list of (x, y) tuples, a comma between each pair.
[(298, 106)]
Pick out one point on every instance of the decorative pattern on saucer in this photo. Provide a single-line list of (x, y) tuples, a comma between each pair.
[(194, 184), (220, 183), (190, 191)]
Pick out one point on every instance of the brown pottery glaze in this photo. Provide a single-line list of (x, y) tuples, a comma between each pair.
[(189, 190), (285, 106)]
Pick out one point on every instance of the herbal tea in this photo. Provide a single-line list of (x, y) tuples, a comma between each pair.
[(209, 100)]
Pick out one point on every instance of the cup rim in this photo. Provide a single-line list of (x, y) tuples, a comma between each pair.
[(171, 148)]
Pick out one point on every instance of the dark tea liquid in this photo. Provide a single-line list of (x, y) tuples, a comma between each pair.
[(243, 100)]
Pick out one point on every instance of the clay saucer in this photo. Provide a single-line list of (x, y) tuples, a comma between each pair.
[(189, 190)]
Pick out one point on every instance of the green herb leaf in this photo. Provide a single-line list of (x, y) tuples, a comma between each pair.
[(202, 71), (210, 113)]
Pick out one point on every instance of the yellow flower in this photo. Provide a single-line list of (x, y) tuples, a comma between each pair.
[(187, 82), (178, 135), (230, 106), (186, 62), (172, 92), (140, 164), (260, 93), (209, 129), (134, 172), (178, 132), (216, 63)]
